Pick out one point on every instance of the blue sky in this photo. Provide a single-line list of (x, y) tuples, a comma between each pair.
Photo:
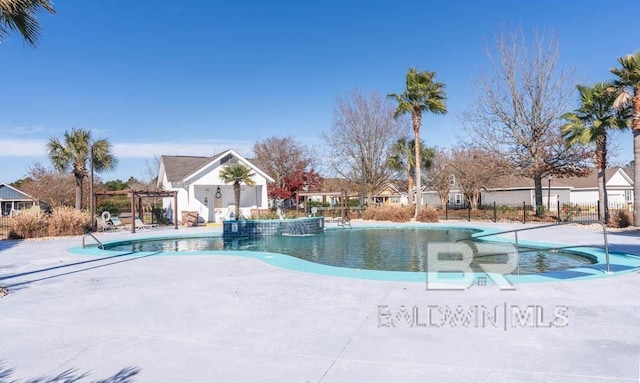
[(199, 77)]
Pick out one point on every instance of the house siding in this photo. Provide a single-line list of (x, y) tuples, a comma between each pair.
[(507, 197), (431, 199)]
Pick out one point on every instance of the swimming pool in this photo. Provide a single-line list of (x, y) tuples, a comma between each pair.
[(382, 252), (383, 249)]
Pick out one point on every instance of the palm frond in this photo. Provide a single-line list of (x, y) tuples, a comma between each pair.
[(237, 173), (19, 15)]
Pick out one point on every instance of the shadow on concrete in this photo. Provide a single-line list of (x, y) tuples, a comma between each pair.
[(12, 286), (72, 376), (6, 244)]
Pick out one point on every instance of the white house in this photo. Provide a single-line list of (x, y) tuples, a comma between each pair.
[(513, 190), (619, 187), (201, 190)]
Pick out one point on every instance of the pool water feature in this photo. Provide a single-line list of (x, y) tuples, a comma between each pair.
[(269, 227), (385, 249)]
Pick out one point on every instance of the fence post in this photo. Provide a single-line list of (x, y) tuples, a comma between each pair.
[(558, 210), (598, 208), (469, 217), (446, 212), (495, 216), (524, 212)]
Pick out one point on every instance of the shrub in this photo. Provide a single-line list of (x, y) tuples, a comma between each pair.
[(620, 219), (267, 215), (29, 225), (388, 213), (111, 207), (317, 204), (428, 214), (68, 221)]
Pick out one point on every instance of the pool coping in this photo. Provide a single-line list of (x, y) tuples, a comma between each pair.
[(620, 262)]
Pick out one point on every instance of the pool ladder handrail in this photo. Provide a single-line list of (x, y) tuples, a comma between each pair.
[(90, 234), (344, 222), (516, 231)]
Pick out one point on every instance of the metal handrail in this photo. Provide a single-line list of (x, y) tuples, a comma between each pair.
[(516, 231), (344, 222), (100, 245)]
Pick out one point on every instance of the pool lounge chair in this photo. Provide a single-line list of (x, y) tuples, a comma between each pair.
[(141, 225), (118, 225), (103, 225)]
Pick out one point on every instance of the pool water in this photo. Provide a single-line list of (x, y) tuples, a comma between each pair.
[(388, 249)]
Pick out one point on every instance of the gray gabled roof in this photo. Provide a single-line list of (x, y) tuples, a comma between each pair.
[(589, 181), (178, 168), (9, 193)]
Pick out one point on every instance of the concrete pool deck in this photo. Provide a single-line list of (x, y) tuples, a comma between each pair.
[(235, 319)]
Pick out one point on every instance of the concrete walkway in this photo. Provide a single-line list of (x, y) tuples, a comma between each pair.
[(234, 319)]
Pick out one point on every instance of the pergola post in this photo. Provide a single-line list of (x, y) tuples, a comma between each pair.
[(175, 210), (95, 206), (133, 211)]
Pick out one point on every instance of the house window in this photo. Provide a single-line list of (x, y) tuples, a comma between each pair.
[(628, 196), (452, 180), (23, 205), (395, 199), (458, 199)]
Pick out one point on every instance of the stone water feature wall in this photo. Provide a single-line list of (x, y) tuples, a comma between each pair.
[(252, 228)]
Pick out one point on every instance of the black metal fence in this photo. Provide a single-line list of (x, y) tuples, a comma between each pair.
[(5, 226), (7, 221), (525, 212)]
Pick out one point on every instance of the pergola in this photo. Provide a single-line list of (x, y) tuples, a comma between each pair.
[(139, 195)]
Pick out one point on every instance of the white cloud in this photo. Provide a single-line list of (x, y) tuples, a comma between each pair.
[(23, 130), (11, 147)]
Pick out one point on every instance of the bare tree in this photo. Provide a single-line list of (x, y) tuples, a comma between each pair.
[(476, 169), (150, 172), (360, 139), (518, 108), (54, 188), (289, 163), (279, 156), (439, 175)]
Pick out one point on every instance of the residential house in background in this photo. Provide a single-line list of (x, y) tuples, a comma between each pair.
[(12, 199), (619, 186), (391, 195), (513, 190), (455, 195), (201, 190), (332, 193)]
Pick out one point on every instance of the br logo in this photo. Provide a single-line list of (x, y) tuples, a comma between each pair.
[(460, 265)]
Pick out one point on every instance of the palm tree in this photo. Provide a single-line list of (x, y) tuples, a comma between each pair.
[(590, 123), (19, 15), (422, 94), (403, 159), (237, 174), (628, 84), (73, 153)]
